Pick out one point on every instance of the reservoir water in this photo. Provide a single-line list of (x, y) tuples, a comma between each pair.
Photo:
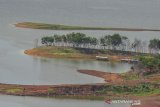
[(17, 68)]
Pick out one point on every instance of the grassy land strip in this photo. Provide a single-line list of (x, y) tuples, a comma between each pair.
[(58, 52), (33, 25)]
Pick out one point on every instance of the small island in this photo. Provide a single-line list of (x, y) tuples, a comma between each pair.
[(33, 25), (81, 46)]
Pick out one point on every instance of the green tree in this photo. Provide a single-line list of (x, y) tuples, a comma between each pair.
[(116, 40)]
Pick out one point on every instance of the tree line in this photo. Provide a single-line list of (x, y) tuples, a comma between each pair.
[(112, 42)]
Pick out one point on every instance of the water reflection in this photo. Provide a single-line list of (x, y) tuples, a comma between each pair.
[(14, 101)]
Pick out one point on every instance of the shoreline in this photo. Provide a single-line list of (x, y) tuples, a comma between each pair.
[(59, 91), (45, 91), (111, 79), (33, 25), (40, 53), (84, 91), (107, 76)]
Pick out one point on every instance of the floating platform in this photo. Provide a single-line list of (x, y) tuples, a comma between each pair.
[(127, 60), (102, 58)]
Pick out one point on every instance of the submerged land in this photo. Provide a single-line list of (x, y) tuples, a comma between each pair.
[(34, 25)]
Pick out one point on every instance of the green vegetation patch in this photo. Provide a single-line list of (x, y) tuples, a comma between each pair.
[(65, 50), (150, 63), (142, 89), (57, 50), (154, 91), (51, 91), (130, 76), (14, 90)]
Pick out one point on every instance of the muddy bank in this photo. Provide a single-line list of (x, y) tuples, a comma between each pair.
[(107, 76), (120, 78)]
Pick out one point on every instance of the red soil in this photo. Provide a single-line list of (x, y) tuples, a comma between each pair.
[(107, 76)]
